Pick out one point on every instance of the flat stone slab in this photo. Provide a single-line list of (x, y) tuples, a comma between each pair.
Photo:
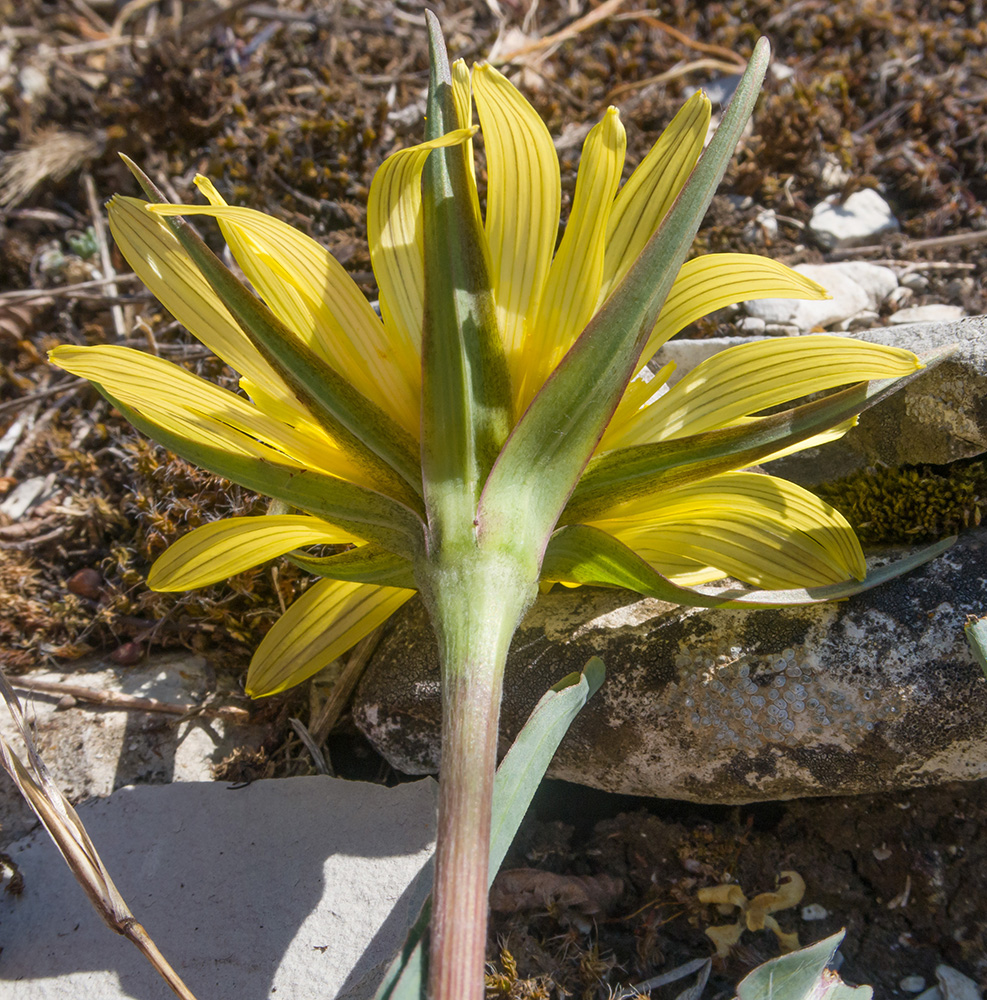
[(301, 888), (92, 751)]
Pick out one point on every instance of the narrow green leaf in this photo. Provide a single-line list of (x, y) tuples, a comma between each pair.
[(465, 388), (366, 564), (551, 444), (976, 637), (362, 512), (517, 779), (629, 473), (524, 765), (801, 975), (375, 441), (583, 554)]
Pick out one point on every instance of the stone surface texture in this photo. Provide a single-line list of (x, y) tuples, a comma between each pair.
[(300, 888), (879, 692), (862, 218), (93, 751), (934, 312)]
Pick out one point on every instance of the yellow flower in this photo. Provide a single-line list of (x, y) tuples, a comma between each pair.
[(308, 449)]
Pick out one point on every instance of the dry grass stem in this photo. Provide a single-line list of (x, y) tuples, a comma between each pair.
[(69, 834)]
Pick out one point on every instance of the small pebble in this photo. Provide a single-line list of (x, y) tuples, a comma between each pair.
[(912, 984), (932, 993), (751, 326), (955, 986), (934, 312), (862, 218), (814, 912), (881, 853), (85, 583), (128, 654), (915, 281)]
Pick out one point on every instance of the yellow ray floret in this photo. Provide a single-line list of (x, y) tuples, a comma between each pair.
[(749, 378), (222, 549), (329, 618), (311, 293), (198, 411), (759, 529), (524, 197)]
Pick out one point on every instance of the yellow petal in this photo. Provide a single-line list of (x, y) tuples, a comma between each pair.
[(312, 294), (650, 190), (524, 194), (157, 257), (224, 548), (569, 298), (713, 281), (394, 231), (197, 410), (462, 97), (760, 529), (328, 619), (748, 378)]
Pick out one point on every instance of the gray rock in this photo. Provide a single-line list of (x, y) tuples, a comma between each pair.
[(863, 217), (955, 986), (781, 330), (876, 693), (915, 281), (762, 229), (300, 887), (830, 173), (934, 312), (854, 288), (92, 751), (751, 326)]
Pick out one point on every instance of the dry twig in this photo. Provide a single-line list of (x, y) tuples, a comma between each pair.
[(96, 213), (129, 702)]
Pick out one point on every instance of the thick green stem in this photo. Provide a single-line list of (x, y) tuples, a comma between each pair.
[(475, 608)]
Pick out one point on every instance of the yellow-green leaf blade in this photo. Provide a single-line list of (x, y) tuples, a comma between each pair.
[(363, 564), (222, 433), (627, 474), (360, 427), (159, 260), (192, 407), (580, 554), (327, 620), (221, 549), (314, 296)]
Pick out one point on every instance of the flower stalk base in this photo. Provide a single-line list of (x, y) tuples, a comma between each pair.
[(475, 609)]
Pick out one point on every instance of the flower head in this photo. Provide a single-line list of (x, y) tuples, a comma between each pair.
[(329, 420)]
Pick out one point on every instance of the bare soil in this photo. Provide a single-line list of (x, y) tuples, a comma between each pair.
[(290, 108)]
